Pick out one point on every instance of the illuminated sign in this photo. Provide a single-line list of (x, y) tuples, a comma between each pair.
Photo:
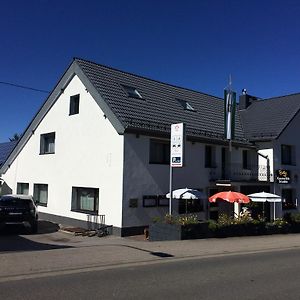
[(283, 176)]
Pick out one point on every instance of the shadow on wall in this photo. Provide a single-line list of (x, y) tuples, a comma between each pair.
[(5, 189)]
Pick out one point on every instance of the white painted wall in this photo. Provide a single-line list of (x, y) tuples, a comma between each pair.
[(289, 137), (142, 178), (88, 153)]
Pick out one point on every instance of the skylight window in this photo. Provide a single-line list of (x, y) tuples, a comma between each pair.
[(185, 105), (132, 92)]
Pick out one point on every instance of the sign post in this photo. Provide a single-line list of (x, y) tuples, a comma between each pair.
[(177, 146)]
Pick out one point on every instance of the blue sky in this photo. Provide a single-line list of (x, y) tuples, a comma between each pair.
[(194, 44)]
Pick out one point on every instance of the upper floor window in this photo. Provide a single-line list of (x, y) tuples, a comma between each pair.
[(286, 155), (74, 105), (246, 164), (210, 156), (185, 105), (159, 152), (132, 92), (47, 143)]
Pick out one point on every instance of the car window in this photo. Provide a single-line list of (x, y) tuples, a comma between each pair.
[(15, 202)]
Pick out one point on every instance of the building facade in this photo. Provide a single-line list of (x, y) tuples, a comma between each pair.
[(100, 148)]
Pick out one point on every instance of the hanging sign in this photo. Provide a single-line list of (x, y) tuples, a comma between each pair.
[(177, 145), (283, 176)]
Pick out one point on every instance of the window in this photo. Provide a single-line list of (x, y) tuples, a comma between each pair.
[(185, 105), (288, 201), (159, 152), (149, 201), (286, 154), (47, 143), (85, 199), (245, 154), (132, 92), (187, 206), (210, 157), (40, 194), (22, 188), (155, 200), (74, 105), (163, 201)]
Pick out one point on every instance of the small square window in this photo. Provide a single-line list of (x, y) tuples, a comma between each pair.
[(74, 105), (132, 92), (133, 202), (22, 188), (185, 105), (47, 143)]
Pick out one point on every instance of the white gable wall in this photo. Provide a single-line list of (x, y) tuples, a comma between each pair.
[(289, 137), (88, 153)]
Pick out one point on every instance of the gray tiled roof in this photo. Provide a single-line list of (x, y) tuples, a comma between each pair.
[(5, 150), (159, 107), (266, 119)]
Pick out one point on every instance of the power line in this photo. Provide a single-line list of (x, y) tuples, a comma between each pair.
[(24, 87)]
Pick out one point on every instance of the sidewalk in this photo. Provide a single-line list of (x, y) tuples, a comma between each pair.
[(78, 254)]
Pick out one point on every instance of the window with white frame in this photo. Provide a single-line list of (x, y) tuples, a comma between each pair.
[(22, 188), (85, 199), (40, 193), (74, 105), (47, 143)]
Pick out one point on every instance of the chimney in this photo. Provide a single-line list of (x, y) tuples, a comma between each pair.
[(246, 100)]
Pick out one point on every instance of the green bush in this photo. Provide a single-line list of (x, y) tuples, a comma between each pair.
[(178, 220), (295, 217)]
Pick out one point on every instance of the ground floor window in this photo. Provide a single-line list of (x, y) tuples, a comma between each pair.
[(85, 199), (22, 188), (188, 206), (288, 199), (40, 193), (155, 200)]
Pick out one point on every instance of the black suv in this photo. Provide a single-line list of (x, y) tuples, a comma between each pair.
[(18, 209)]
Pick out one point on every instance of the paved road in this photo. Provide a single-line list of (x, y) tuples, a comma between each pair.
[(269, 275)]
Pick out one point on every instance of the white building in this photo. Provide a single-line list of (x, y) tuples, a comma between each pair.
[(99, 145)]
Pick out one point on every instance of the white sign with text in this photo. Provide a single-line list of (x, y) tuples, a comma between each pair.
[(177, 145)]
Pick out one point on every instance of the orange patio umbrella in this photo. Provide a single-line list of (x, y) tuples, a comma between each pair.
[(230, 196)]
